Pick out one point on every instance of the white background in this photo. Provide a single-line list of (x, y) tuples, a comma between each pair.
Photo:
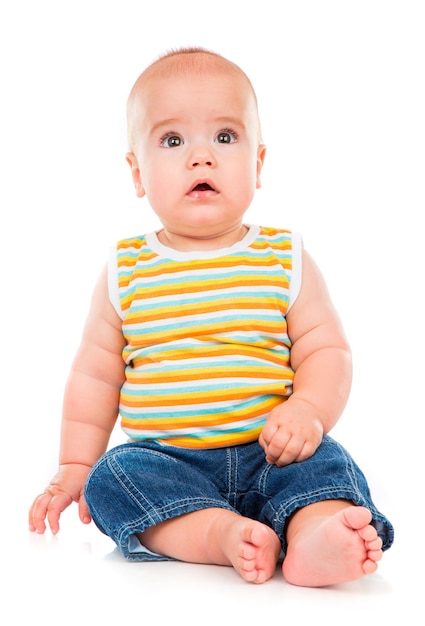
[(341, 93)]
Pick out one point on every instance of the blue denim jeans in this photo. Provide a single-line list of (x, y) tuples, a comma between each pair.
[(138, 485)]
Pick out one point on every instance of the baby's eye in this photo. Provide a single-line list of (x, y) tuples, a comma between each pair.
[(226, 136), (171, 140)]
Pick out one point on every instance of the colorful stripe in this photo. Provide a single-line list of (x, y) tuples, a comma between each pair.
[(207, 354)]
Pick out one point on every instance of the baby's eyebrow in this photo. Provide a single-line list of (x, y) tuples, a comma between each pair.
[(221, 120), (162, 124), (231, 121)]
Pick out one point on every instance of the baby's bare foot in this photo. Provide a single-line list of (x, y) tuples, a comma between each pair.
[(253, 549), (218, 536), (334, 549)]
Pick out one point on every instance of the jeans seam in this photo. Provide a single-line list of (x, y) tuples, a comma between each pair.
[(230, 481), (262, 482), (118, 472), (170, 511), (283, 513)]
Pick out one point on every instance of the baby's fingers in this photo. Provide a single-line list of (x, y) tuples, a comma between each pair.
[(83, 511), (47, 506), (285, 456), (56, 506), (38, 513), (279, 449)]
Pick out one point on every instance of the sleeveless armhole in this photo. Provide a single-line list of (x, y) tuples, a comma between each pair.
[(113, 291), (296, 275)]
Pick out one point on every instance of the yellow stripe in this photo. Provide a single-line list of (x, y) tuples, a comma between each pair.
[(183, 399), (206, 351), (218, 441), (195, 332)]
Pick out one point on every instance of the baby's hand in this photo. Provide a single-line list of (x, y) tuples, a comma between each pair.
[(66, 487), (292, 433)]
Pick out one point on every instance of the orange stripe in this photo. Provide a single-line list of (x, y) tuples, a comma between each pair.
[(201, 420), (201, 287), (279, 358), (206, 374), (194, 333), (214, 442), (198, 398), (188, 309)]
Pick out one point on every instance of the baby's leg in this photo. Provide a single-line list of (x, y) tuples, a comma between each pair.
[(218, 536), (330, 542)]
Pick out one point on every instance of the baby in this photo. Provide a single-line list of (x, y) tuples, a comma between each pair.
[(218, 345)]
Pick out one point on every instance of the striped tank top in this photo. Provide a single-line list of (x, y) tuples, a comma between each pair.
[(208, 353)]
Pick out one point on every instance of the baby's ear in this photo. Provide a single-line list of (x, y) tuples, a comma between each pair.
[(261, 153), (135, 172)]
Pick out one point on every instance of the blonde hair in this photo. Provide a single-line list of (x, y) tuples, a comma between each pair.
[(183, 61)]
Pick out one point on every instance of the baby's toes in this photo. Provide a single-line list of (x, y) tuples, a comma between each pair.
[(374, 544), (368, 533), (247, 552), (249, 572), (370, 566), (374, 555)]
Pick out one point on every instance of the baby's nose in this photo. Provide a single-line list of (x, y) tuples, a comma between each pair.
[(205, 161), (201, 156)]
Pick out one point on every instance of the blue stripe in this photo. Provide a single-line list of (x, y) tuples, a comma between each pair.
[(278, 387), (171, 413), (200, 276), (231, 295), (205, 363), (180, 323), (200, 432)]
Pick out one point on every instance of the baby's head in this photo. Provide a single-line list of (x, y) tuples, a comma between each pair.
[(191, 62), (195, 145)]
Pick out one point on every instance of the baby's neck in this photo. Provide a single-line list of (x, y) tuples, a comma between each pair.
[(197, 244)]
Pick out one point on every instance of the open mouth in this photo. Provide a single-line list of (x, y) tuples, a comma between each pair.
[(202, 190), (203, 187)]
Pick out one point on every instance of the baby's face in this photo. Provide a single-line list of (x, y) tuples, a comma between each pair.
[(197, 153)]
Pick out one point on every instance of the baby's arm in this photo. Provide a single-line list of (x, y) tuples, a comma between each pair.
[(89, 412), (321, 359)]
